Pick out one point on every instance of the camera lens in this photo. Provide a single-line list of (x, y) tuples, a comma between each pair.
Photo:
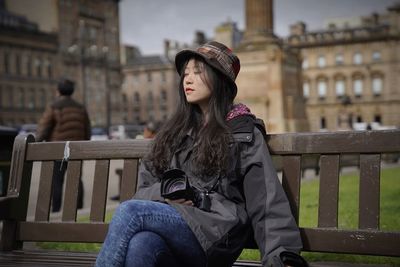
[(175, 185)]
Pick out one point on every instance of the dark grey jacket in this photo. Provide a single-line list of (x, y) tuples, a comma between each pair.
[(249, 197)]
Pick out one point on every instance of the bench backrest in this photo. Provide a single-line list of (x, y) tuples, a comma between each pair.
[(291, 149)]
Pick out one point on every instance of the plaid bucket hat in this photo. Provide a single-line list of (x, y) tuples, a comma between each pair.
[(215, 54)]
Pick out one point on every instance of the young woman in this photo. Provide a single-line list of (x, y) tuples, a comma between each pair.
[(216, 150)]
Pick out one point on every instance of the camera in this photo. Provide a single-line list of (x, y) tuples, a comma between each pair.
[(175, 185)]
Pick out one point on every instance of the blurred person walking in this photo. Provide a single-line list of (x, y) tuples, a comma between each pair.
[(64, 120)]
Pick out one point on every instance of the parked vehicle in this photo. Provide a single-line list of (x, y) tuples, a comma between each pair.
[(27, 128), (99, 133), (126, 131)]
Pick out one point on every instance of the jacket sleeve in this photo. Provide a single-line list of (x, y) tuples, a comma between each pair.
[(46, 125), (148, 185), (275, 229)]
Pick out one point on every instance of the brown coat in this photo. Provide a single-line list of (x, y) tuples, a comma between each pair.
[(64, 120)]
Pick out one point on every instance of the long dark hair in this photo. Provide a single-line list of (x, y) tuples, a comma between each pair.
[(210, 154)]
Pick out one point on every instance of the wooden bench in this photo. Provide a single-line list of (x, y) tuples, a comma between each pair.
[(368, 239)]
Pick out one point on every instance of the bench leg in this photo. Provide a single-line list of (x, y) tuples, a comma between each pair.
[(8, 233)]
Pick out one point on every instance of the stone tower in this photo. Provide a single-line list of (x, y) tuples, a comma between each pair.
[(270, 78), (259, 19)]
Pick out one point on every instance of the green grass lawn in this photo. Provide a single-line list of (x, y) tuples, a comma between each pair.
[(348, 217), (348, 214)]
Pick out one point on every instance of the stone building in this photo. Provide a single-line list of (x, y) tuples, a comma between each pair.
[(269, 81), (86, 51), (228, 34), (28, 69), (351, 71), (150, 86), (150, 89)]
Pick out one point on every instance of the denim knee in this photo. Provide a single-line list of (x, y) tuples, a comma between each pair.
[(148, 249)]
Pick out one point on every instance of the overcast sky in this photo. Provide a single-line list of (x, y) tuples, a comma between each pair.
[(146, 23)]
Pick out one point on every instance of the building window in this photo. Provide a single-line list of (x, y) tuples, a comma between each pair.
[(163, 76), (125, 102), (322, 123), (49, 69), (6, 63), (358, 87), (21, 98), (339, 59), (322, 89), (38, 68), (306, 90), (377, 86), (28, 66), (150, 100), (42, 97), (149, 77), (357, 58), (321, 61), (136, 98), (18, 64), (10, 102), (378, 118), (359, 119), (376, 56), (304, 64), (340, 88), (31, 99)]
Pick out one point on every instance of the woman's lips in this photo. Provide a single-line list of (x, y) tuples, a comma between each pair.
[(188, 90)]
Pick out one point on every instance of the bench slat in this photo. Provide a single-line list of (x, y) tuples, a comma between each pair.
[(369, 191), (44, 192), (129, 179), (29, 258), (100, 186), (384, 141), (328, 191), (71, 190), (62, 232), (291, 175), (89, 150), (365, 242)]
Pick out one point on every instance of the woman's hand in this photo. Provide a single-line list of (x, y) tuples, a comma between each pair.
[(179, 201)]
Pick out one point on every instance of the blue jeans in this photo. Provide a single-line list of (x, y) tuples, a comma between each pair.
[(146, 233)]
